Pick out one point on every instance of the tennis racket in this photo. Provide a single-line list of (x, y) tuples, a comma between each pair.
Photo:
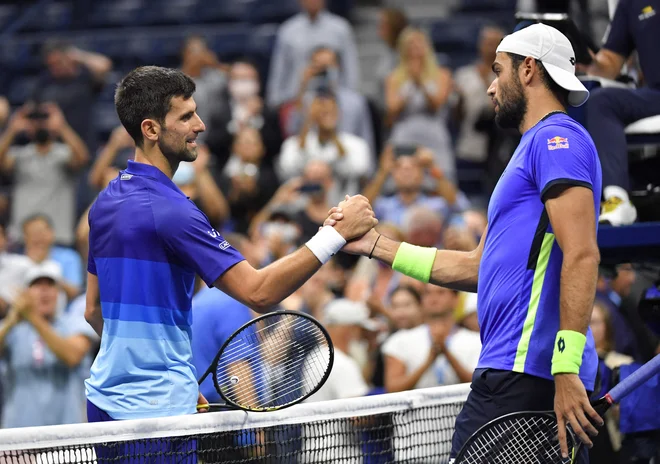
[(272, 362), (531, 437)]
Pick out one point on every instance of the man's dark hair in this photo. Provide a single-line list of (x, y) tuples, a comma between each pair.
[(146, 93), (560, 93), (37, 217)]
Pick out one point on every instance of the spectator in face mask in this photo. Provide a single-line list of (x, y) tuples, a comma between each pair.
[(43, 169), (239, 108), (322, 139), (247, 181), (322, 73)]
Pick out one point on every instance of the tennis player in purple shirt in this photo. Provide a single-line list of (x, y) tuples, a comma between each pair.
[(148, 240), (536, 267)]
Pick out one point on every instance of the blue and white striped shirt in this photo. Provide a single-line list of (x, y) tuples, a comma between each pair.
[(147, 241)]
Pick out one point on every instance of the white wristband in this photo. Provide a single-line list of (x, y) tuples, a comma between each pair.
[(326, 243)]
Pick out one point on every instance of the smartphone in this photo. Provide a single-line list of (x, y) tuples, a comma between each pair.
[(38, 114), (404, 150), (310, 188)]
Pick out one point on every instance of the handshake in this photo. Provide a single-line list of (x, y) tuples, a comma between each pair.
[(354, 219)]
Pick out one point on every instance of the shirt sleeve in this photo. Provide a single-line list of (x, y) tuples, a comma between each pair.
[(562, 155), (188, 235), (618, 37)]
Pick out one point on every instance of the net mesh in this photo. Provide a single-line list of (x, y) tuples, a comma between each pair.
[(412, 426)]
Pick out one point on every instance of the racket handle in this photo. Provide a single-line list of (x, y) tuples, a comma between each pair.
[(635, 379)]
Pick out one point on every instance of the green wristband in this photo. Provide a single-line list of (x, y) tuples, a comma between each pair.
[(415, 261), (567, 357)]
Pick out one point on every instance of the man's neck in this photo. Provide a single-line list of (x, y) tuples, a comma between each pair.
[(538, 110), (408, 197), (155, 158), (313, 16), (325, 136), (43, 148)]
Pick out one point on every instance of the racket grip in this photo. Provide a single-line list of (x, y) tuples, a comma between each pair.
[(635, 379)]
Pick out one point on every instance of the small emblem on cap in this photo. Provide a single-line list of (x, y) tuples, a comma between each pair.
[(572, 60)]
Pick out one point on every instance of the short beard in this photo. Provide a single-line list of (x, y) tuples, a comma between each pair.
[(175, 155), (512, 106)]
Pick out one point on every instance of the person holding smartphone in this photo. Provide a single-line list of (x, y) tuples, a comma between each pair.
[(43, 169), (321, 139), (408, 165)]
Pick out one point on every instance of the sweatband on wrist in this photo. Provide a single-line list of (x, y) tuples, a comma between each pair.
[(567, 356), (415, 261), (326, 243)]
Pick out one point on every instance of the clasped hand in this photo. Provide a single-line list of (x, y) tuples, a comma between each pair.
[(354, 219)]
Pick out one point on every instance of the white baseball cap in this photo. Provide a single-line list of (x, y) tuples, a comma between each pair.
[(554, 50), (343, 311), (47, 270)]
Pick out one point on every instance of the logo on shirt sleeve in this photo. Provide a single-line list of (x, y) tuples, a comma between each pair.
[(224, 245), (557, 143)]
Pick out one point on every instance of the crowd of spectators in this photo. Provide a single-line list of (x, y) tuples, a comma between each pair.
[(273, 161)]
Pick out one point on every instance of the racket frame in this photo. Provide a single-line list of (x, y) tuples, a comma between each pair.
[(214, 365), (570, 435)]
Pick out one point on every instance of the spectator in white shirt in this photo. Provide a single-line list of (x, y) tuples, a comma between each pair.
[(323, 73), (344, 320), (43, 169), (297, 37), (12, 273), (320, 139), (435, 353)]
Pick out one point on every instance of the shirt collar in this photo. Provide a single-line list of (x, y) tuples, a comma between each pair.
[(146, 170), (319, 17)]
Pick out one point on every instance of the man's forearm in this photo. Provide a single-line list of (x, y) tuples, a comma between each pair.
[(77, 146), (283, 277), (457, 270), (577, 292), (64, 351)]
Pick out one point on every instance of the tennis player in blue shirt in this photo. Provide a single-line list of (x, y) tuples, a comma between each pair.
[(147, 241), (536, 267)]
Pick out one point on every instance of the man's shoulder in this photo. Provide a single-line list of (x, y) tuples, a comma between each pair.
[(288, 27), (558, 135)]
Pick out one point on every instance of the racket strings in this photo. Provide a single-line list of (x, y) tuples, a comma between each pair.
[(528, 439), (275, 364)]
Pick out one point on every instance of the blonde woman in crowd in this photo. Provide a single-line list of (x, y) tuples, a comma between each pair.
[(416, 95)]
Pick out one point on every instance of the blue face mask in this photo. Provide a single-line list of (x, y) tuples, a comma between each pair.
[(184, 175)]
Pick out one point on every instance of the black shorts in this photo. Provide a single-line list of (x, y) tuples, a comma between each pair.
[(495, 393)]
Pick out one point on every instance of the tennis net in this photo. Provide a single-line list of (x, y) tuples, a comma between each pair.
[(414, 426)]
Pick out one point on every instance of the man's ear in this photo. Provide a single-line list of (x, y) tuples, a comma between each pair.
[(527, 70), (151, 130)]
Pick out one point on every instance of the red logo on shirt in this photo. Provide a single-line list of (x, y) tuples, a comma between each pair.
[(557, 142)]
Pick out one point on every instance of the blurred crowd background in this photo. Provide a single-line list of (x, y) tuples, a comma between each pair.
[(304, 101)]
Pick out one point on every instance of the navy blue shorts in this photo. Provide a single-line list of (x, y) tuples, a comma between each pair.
[(162, 450), (495, 393)]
